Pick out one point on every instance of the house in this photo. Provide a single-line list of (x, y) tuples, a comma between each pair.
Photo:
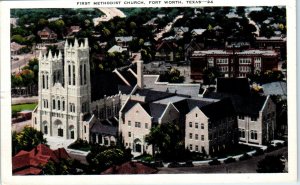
[(47, 35), (123, 41), (165, 51), (197, 32), (179, 31), (256, 114), (72, 31), (15, 48), (32, 162), (233, 63), (117, 49), (130, 168)]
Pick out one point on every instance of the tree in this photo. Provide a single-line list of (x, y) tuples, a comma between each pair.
[(27, 139), (270, 164), (167, 138), (210, 75), (103, 157)]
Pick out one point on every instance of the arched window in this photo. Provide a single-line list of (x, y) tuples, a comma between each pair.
[(84, 74), (58, 76), (69, 74), (53, 104), (47, 82), (54, 77), (73, 74), (80, 74), (63, 105), (58, 104), (43, 81)]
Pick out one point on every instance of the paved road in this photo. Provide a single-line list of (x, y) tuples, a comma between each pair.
[(18, 127), (21, 62), (247, 166), (167, 28), (23, 100), (109, 14)]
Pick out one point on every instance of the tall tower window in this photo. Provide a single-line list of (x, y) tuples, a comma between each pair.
[(84, 74), (58, 76), (73, 74), (58, 104), (47, 81), (80, 74), (53, 104), (43, 81), (54, 77), (69, 74), (63, 105)]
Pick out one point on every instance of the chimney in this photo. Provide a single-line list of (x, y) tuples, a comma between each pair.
[(140, 80)]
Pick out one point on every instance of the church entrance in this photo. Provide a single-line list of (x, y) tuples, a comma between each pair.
[(71, 132), (58, 128), (137, 147)]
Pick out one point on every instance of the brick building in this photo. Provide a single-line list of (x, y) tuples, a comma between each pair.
[(233, 63)]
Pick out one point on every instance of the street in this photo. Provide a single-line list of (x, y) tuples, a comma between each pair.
[(247, 166), (21, 62)]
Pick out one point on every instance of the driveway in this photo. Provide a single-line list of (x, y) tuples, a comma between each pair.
[(247, 166)]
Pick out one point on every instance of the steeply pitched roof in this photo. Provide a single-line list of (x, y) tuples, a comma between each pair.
[(117, 49), (233, 86), (105, 128), (130, 168), (245, 105), (25, 163), (219, 110), (186, 105)]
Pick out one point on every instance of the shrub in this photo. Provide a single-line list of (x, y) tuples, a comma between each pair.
[(229, 160), (188, 164), (214, 162), (244, 157), (271, 148)]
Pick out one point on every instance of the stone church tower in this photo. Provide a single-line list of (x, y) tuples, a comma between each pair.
[(64, 92)]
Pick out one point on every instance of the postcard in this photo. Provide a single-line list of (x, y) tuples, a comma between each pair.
[(148, 92)]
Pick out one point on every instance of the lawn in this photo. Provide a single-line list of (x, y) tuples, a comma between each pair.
[(21, 107)]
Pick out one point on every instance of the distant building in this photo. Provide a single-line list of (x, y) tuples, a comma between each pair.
[(32, 162), (15, 48), (233, 62), (277, 43), (47, 35), (123, 41), (165, 51), (117, 49), (130, 168)]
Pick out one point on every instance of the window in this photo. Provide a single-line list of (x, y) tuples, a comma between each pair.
[(74, 75), (69, 74), (80, 71), (242, 133), (84, 74), (191, 136), (253, 134), (63, 106), (138, 124), (129, 134), (196, 136), (196, 125), (202, 137), (146, 125), (196, 115), (196, 148), (241, 117), (191, 147), (53, 104), (191, 124), (47, 82), (58, 104), (202, 125), (129, 123), (84, 129), (43, 82), (253, 118)]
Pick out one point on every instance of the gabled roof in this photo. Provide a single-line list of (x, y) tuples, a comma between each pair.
[(198, 31), (25, 163), (130, 168), (117, 49), (245, 105), (219, 110), (166, 45), (186, 105), (183, 29), (104, 127), (124, 39), (239, 86)]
